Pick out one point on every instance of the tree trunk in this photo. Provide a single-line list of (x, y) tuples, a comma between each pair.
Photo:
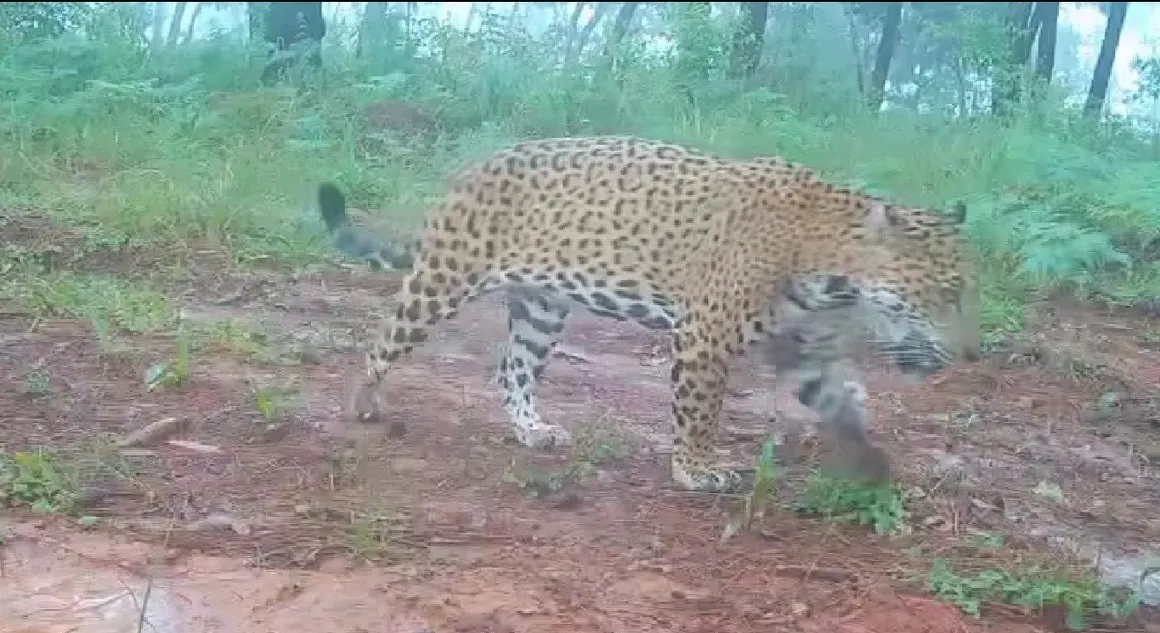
[(586, 33), (749, 40), (692, 63), (175, 25), (370, 30), (411, 9), (1098, 93), (156, 42), (1048, 29), (891, 22), (620, 27), (288, 23), (473, 13), (961, 87), (257, 14), (193, 21), (1007, 82), (856, 49)]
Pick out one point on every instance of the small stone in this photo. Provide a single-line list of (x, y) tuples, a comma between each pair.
[(936, 523), (946, 464)]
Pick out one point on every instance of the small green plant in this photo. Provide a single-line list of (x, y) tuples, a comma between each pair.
[(36, 480), (1150, 336), (274, 403), (234, 336), (599, 444), (1032, 587), (854, 501), (756, 500), (174, 372), (595, 445), (111, 304), (538, 483), (374, 534), (986, 540), (39, 383)]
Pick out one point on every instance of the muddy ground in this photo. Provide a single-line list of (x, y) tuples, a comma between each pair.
[(277, 515)]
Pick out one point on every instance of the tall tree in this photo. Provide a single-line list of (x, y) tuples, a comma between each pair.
[(193, 21), (851, 11), (156, 43), (1047, 17), (1007, 80), (175, 25), (748, 39), (572, 31), (691, 22), (287, 24), (256, 14), (371, 29), (585, 34), (1098, 92), (891, 21), (620, 26)]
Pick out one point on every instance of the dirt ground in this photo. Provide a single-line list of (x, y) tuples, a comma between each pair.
[(300, 521)]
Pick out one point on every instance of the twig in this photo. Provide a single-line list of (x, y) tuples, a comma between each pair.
[(145, 604), (812, 572)]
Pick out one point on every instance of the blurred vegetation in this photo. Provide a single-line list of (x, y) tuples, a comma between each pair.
[(142, 125)]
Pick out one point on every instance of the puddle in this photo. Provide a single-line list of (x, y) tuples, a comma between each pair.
[(44, 596), (1117, 565), (1118, 571), (89, 584)]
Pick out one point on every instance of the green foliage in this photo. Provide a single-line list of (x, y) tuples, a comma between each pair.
[(138, 145), (171, 373), (36, 480), (852, 501), (182, 145), (757, 499), (107, 302), (1031, 587), (112, 306), (274, 403), (34, 21)]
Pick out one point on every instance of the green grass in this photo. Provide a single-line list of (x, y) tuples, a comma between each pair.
[(37, 480), (1074, 589), (138, 153), (847, 501), (109, 303), (1079, 596), (184, 150)]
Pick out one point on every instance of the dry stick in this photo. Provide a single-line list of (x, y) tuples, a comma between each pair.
[(144, 605), (144, 609)]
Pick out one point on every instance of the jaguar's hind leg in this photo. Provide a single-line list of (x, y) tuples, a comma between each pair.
[(426, 297), (535, 320)]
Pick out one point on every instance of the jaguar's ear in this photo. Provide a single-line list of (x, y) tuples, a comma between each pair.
[(958, 213)]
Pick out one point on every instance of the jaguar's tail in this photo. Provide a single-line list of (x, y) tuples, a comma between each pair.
[(355, 242)]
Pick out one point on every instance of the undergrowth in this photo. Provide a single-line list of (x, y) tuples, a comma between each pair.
[(37, 480), (137, 149), (182, 148), (1076, 591), (1081, 598)]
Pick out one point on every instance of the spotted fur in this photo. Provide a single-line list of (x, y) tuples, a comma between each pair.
[(723, 253)]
